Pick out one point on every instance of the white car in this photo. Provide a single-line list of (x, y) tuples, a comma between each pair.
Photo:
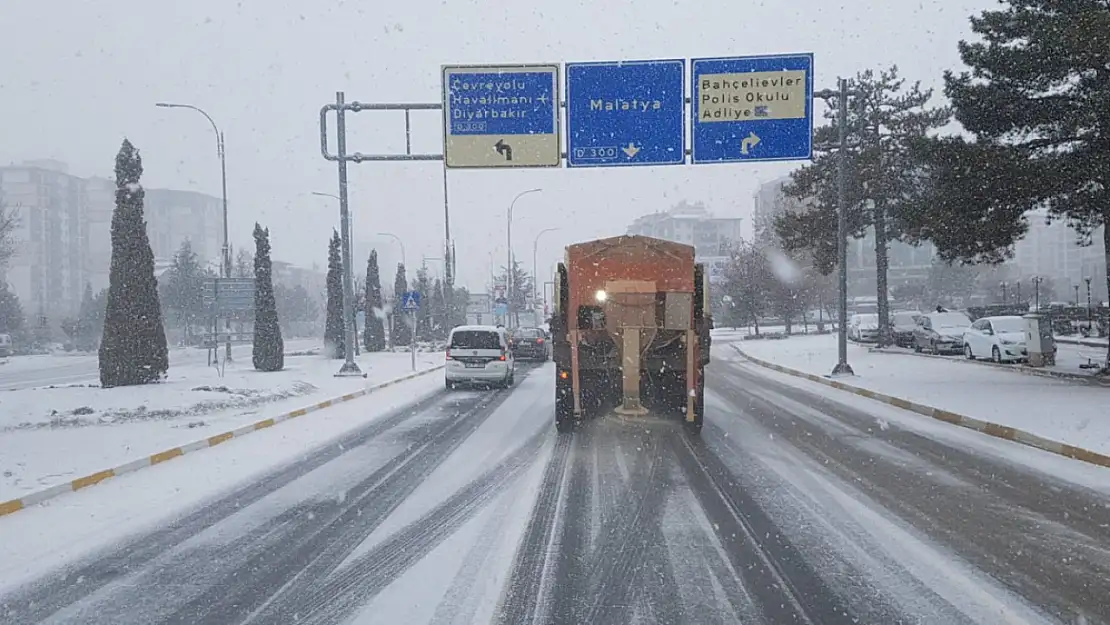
[(479, 355), (1002, 339)]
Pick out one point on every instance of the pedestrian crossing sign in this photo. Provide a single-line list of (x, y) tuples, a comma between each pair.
[(410, 300)]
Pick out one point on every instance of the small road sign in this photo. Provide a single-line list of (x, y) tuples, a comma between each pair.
[(410, 300), (626, 113), (229, 294), (752, 108), (501, 116)]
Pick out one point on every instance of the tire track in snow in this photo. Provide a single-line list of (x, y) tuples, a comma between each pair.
[(521, 600), (36, 601), (336, 598), (774, 572), (289, 569), (1041, 538)]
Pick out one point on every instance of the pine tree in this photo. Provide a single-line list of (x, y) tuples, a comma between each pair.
[(183, 289), (423, 285), (884, 127), (401, 330), (133, 349), (269, 348), (334, 345), (11, 313), (437, 311), (521, 289), (374, 332)]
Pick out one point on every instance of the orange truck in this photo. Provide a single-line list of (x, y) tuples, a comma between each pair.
[(631, 324)]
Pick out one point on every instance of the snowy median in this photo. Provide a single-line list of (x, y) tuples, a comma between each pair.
[(1060, 410), (52, 434)]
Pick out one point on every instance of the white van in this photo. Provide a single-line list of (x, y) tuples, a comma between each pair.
[(479, 355)]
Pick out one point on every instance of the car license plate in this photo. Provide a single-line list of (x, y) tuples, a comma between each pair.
[(475, 365)]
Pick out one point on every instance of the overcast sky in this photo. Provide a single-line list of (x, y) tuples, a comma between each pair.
[(86, 73)]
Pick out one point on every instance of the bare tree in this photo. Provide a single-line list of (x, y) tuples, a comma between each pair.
[(9, 221)]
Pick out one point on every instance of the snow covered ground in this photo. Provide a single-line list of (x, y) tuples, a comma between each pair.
[(1065, 411), (53, 434), (92, 518)]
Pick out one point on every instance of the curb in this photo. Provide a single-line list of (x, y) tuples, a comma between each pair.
[(15, 505), (1003, 432), (1067, 340), (1089, 379)]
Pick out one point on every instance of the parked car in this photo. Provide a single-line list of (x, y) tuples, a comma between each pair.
[(902, 324), (479, 355), (941, 332), (1002, 339), (864, 328), (529, 343)]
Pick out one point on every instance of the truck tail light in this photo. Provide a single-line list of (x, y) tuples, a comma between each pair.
[(448, 354)]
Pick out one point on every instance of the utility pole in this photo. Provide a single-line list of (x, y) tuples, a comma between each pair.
[(350, 367), (225, 261), (841, 95), (535, 266), (509, 253)]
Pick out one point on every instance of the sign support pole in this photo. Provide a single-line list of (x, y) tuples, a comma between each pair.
[(412, 316)]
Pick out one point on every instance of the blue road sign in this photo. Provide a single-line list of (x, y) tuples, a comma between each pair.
[(410, 300), (506, 116), (501, 310), (626, 113), (752, 108)]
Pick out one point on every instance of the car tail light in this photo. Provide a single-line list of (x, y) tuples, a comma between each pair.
[(448, 354), (539, 341)]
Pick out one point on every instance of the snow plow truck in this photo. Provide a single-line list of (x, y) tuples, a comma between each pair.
[(630, 327)]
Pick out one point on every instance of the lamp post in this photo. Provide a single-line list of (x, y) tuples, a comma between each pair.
[(1090, 324), (225, 268), (225, 261), (841, 96), (535, 266), (1037, 293), (509, 252), (1076, 287), (1004, 299)]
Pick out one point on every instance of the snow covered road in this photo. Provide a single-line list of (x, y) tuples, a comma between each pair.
[(795, 505)]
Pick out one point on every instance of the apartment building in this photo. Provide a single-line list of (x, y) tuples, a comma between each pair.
[(63, 240), (1054, 249)]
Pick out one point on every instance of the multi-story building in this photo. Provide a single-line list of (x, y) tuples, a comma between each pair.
[(1054, 250), (63, 238), (691, 224)]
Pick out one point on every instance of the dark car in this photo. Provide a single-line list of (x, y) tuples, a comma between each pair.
[(529, 343), (902, 325)]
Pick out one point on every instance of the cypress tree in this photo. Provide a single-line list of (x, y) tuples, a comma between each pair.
[(402, 328), (333, 322), (269, 348), (133, 349), (374, 333)]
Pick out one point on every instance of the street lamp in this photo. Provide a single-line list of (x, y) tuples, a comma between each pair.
[(841, 96), (1037, 293), (509, 251), (535, 267), (1004, 299), (1090, 324), (350, 226), (400, 243), (226, 268), (1076, 287)]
